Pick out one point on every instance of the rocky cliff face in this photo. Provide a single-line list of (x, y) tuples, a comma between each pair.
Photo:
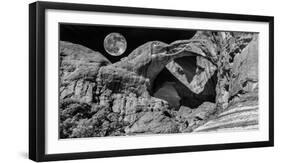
[(203, 84)]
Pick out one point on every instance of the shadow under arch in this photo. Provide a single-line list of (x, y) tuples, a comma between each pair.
[(187, 97)]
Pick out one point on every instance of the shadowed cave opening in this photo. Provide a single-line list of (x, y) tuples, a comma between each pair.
[(167, 87)]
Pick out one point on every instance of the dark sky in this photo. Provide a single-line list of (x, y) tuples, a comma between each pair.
[(92, 36)]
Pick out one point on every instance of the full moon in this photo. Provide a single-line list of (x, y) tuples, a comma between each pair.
[(115, 44)]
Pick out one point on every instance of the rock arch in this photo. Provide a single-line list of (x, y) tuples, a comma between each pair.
[(113, 99)]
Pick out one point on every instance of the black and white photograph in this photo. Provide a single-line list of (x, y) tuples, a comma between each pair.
[(133, 81), (113, 81), (140, 81)]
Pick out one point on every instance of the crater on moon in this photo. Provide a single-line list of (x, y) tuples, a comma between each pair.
[(115, 44)]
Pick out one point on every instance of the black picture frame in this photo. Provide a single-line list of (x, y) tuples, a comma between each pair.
[(37, 80)]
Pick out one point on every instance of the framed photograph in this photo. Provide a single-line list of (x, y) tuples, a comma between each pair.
[(109, 81)]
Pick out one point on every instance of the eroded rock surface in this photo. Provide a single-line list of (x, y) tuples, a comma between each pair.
[(213, 84), (239, 116), (193, 75)]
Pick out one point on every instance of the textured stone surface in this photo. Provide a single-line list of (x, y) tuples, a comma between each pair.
[(242, 110), (207, 83), (245, 70), (192, 118), (193, 76), (242, 116), (79, 67), (169, 93), (233, 44)]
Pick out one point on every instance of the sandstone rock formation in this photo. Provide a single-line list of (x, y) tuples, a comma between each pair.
[(206, 83), (239, 116)]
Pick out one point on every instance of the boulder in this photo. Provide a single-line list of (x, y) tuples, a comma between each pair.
[(153, 122), (192, 118)]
